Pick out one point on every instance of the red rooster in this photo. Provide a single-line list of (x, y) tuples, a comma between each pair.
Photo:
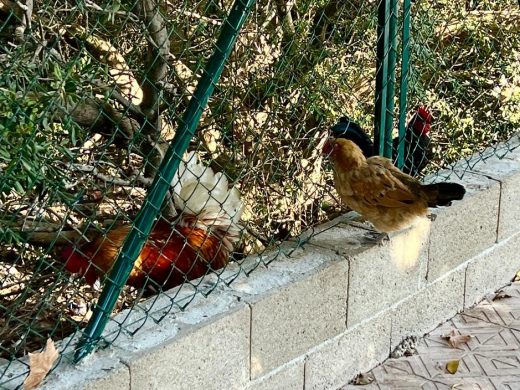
[(199, 242), (417, 150)]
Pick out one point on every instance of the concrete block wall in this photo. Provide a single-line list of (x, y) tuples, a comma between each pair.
[(332, 309)]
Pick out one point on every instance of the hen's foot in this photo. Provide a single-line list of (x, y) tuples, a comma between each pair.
[(361, 225), (376, 237)]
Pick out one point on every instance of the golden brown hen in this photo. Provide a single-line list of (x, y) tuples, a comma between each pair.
[(390, 199)]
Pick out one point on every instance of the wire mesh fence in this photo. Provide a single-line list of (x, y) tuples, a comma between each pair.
[(93, 93)]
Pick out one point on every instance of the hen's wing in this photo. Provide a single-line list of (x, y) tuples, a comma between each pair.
[(407, 180), (387, 164), (377, 183)]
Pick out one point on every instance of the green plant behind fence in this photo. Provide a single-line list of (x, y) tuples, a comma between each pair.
[(93, 94)]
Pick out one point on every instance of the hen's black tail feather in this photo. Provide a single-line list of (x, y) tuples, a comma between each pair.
[(442, 194)]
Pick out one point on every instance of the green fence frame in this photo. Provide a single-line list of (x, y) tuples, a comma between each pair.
[(388, 13), (152, 206), (403, 85)]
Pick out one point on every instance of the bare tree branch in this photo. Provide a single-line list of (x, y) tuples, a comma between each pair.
[(44, 232), (156, 68), (102, 118), (130, 182), (283, 9), (107, 53), (158, 51), (322, 26), (127, 104), (23, 13)]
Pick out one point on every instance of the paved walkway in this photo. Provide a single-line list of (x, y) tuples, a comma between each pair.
[(489, 360)]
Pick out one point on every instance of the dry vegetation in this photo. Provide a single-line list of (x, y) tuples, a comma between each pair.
[(91, 92)]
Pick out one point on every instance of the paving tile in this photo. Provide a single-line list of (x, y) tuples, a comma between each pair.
[(496, 363), (506, 382), (409, 366), (490, 360)]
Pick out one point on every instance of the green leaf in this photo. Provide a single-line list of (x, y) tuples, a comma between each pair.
[(4, 154), (26, 165), (18, 187), (73, 135)]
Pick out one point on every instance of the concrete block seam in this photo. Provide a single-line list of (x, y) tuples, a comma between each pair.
[(129, 372), (348, 290), (250, 338), (499, 209), (428, 254), (500, 183), (392, 323), (298, 361), (464, 290), (403, 300), (305, 360), (337, 337), (484, 252), (488, 250)]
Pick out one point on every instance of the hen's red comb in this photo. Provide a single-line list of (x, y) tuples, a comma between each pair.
[(425, 114)]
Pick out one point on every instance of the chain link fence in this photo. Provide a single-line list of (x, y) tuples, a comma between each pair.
[(92, 94)]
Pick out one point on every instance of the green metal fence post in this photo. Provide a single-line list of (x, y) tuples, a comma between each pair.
[(153, 201), (403, 85), (381, 75), (390, 81)]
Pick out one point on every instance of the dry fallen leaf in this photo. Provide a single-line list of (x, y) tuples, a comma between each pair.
[(363, 379), (501, 295), (452, 366), (465, 386), (456, 340), (517, 277), (40, 363)]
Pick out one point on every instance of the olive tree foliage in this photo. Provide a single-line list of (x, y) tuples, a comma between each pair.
[(91, 94), (466, 66)]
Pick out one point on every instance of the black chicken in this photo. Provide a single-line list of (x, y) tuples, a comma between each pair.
[(416, 142), (348, 129)]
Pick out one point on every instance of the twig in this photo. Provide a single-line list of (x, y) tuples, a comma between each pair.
[(131, 16), (111, 179), (194, 15), (114, 93), (44, 232), (59, 217)]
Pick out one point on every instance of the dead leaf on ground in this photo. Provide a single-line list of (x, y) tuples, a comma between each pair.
[(501, 295), (363, 379), (40, 364), (465, 386), (452, 366), (517, 277), (456, 340)]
